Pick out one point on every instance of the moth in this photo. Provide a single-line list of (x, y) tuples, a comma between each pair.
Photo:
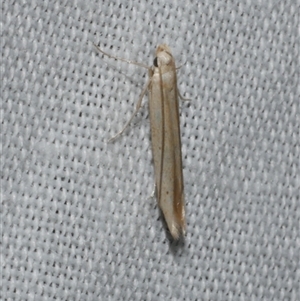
[(165, 136)]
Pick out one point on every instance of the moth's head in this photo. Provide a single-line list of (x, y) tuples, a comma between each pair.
[(163, 56)]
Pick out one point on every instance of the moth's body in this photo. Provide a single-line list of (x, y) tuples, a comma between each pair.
[(165, 137)]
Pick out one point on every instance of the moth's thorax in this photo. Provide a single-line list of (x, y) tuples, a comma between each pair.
[(165, 69), (164, 58), (164, 79)]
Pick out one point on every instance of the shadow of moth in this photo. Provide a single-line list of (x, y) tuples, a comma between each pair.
[(165, 136)]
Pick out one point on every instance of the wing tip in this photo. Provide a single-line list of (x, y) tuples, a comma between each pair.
[(178, 230)]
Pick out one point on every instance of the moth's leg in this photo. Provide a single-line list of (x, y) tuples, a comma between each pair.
[(152, 195), (180, 65), (138, 105), (181, 97)]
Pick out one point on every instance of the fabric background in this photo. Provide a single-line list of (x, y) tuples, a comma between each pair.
[(78, 221)]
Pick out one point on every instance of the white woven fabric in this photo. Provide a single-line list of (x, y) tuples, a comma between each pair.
[(78, 222)]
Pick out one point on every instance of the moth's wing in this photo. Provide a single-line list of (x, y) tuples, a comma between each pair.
[(166, 144), (172, 196)]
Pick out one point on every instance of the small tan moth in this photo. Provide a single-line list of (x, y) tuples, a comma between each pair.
[(165, 136)]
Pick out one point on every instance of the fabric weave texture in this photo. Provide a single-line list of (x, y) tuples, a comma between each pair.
[(77, 217)]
